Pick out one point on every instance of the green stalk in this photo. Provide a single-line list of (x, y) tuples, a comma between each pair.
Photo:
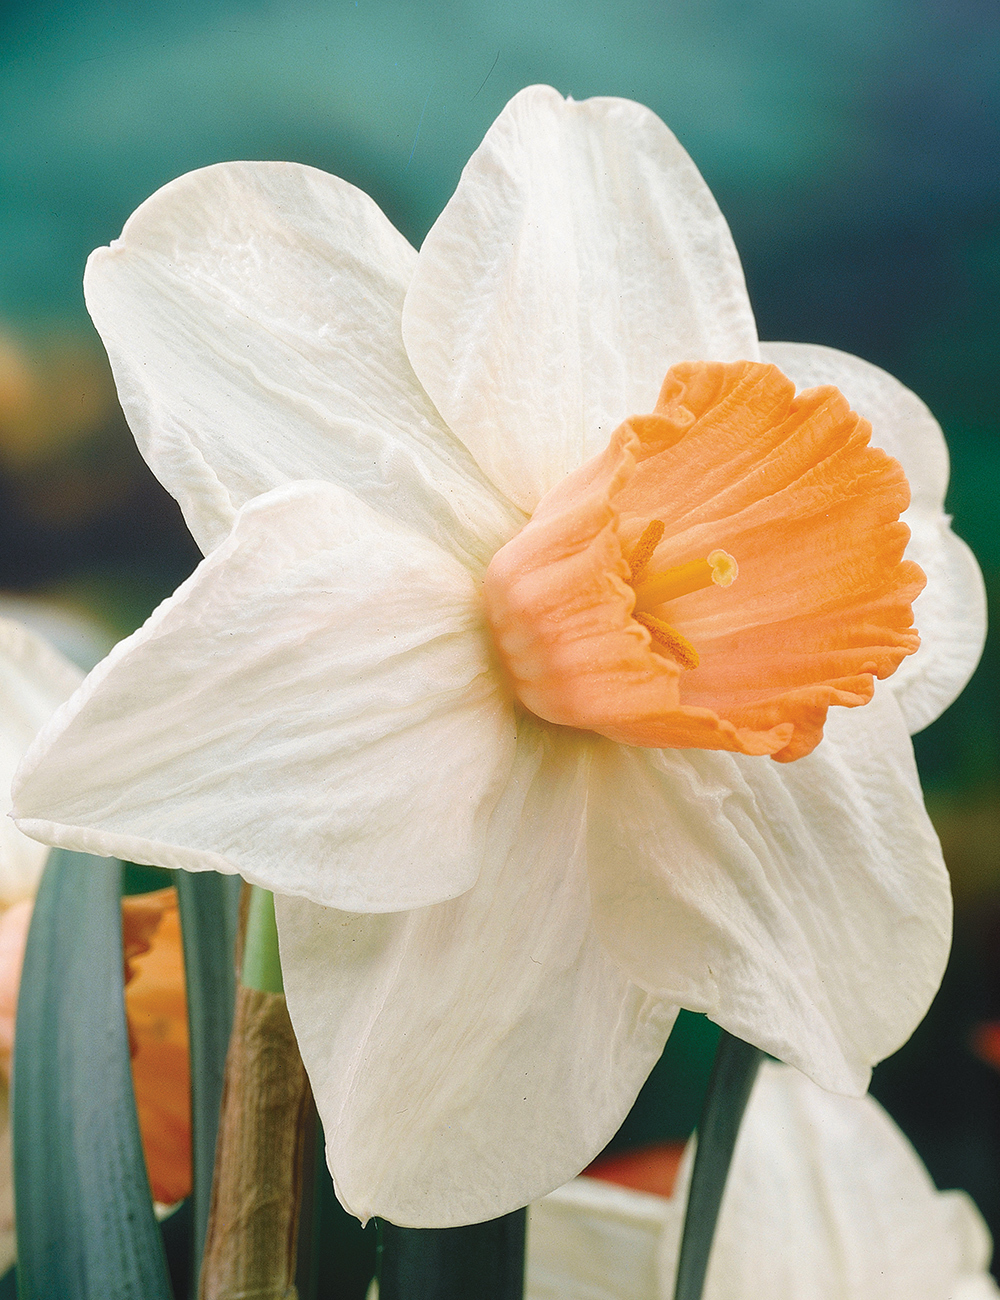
[(733, 1075), (261, 963), (209, 905), (483, 1260)]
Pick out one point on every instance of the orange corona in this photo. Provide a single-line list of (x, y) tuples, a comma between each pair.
[(725, 571)]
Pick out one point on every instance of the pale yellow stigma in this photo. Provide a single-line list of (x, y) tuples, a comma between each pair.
[(718, 568)]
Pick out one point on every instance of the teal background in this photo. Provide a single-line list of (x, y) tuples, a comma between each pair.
[(853, 147)]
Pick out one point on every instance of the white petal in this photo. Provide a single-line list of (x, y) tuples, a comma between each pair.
[(591, 1240), (803, 906), (314, 708), (951, 612), (251, 313), (469, 1057), (34, 681), (828, 1201), (580, 257), (979, 1287)]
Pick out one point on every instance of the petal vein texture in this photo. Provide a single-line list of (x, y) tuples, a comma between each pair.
[(251, 314), (467, 1057), (581, 256), (289, 714)]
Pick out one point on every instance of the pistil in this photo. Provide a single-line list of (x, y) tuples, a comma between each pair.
[(718, 567)]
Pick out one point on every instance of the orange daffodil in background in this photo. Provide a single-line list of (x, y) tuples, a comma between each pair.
[(522, 555), (156, 1011), (34, 680)]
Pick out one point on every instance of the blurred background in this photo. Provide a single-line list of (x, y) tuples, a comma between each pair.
[(853, 146)]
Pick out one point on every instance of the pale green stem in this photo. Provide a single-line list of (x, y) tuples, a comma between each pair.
[(261, 963)]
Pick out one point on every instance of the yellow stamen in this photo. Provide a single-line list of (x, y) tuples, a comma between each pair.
[(642, 553), (677, 646), (719, 568)]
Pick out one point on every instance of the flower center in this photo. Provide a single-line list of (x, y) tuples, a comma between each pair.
[(657, 588), (581, 613)]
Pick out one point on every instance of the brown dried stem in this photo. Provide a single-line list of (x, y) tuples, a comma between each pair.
[(253, 1223)]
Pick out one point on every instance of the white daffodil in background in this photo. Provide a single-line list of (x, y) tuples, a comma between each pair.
[(514, 826), (826, 1200), (34, 680)]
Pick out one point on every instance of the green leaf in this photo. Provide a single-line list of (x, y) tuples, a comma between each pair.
[(485, 1260), (85, 1224), (336, 1254), (733, 1075), (209, 907)]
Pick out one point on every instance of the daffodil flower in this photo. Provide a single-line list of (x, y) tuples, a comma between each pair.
[(522, 557), (34, 680), (825, 1199)]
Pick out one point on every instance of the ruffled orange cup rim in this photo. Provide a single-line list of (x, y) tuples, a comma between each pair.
[(731, 461)]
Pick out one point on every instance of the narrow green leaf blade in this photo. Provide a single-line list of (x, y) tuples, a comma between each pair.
[(85, 1223), (336, 1254), (209, 907), (733, 1075)]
